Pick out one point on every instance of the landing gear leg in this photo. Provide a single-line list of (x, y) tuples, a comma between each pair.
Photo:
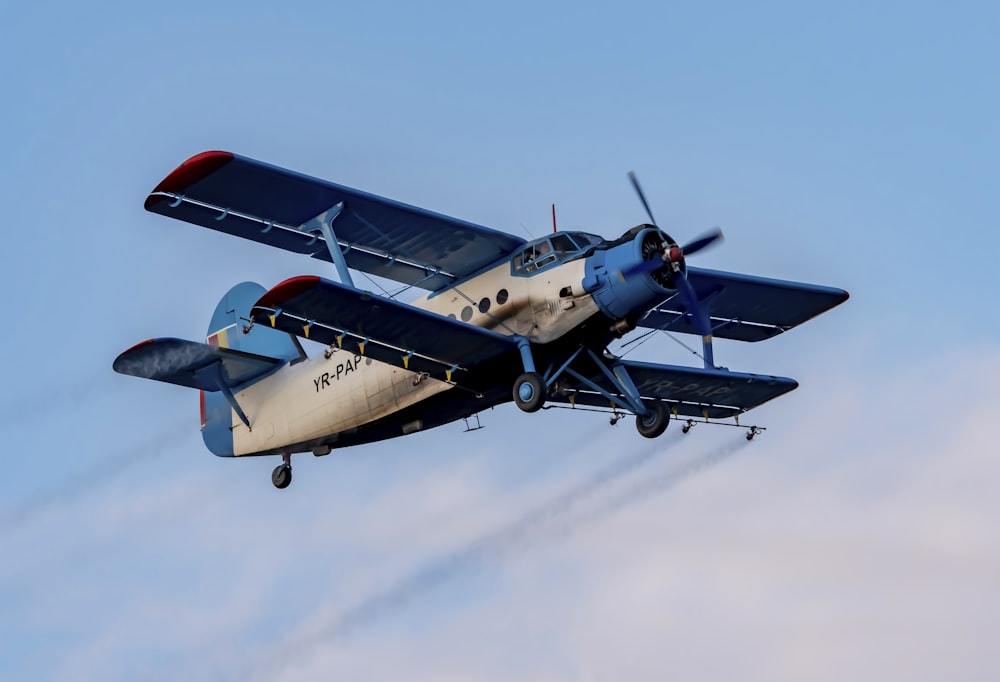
[(654, 422), (281, 477)]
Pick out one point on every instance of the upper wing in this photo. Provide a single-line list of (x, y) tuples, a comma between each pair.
[(379, 328), (745, 307), (688, 391), (255, 200)]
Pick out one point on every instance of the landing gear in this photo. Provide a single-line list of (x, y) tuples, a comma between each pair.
[(687, 426), (529, 392), (281, 477), (654, 422), (754, 430)]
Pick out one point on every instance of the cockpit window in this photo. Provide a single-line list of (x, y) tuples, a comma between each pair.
[(560, 247), (585, 240), (563, 244)]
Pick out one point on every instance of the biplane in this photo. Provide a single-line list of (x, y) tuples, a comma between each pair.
[(501, 319)]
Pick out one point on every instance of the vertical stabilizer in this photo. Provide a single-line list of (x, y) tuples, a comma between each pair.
[(232, 316), (226, 330)]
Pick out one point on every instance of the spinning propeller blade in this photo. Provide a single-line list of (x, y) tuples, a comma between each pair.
[(704, 241), (640, 268), (642, 197), (699, 317)]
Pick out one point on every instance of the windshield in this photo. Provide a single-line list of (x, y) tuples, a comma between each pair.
[(557, 248)]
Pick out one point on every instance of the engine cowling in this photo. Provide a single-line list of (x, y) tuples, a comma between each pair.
[(621, 296)]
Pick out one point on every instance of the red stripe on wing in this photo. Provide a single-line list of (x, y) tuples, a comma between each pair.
[(191, 171), (287, 290)]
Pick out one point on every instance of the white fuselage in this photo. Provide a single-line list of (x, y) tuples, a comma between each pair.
[(323, 396)]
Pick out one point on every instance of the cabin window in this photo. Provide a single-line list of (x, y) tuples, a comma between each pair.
[(484, 305), (466, 313), (502, 296)]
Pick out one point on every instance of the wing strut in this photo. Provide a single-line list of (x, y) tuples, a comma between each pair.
[(215, 371), (324, 222), (617, 376)]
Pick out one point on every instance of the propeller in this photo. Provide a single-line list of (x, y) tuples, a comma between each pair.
[(673, 256), (673, 253), (642, 197), (703, 242)]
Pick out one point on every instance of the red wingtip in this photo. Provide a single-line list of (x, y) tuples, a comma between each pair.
[(138, 346), (117, 364), (191, 171), (287, 290)]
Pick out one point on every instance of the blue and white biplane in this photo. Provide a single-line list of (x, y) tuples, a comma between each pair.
[(502, 319)]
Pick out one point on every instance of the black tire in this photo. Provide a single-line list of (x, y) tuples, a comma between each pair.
[(655, 422), (281, 477), (529, 392)]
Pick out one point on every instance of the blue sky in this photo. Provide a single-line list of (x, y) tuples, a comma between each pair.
[(855, 146)]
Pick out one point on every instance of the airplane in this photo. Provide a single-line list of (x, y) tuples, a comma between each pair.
[(501, 319)]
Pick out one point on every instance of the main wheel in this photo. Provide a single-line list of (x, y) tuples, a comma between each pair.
[(281, 477), (529, 392), (654, 422)]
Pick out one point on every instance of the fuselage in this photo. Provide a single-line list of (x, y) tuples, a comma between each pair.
[(340, 398)]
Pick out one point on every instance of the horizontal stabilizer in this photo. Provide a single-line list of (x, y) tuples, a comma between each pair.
[(281, 208), (687, 391), (192, 364), (744, 307), (379, 328)]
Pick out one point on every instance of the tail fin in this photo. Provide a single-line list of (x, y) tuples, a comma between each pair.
[(226, 330), (232, 317)]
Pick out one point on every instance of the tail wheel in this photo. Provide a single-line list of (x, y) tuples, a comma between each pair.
[(281, 477), (529, 392), (654, 422)]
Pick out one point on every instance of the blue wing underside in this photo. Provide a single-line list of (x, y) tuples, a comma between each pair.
[(380, 328), (193, 364), (278, 207), (687, 391), (744, 307)]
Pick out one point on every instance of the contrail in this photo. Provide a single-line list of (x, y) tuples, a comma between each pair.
[(490, 545), (637, 493), (553, 521), (98, 474)]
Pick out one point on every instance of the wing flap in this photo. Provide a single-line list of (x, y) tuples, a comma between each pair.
[(688, 391), (278, 207), (379, 328), (745, 307), (192, 364)]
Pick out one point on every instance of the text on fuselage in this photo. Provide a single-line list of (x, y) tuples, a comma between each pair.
[(342, 370)]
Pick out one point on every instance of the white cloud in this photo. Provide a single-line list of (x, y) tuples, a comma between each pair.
[(818, 551)]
